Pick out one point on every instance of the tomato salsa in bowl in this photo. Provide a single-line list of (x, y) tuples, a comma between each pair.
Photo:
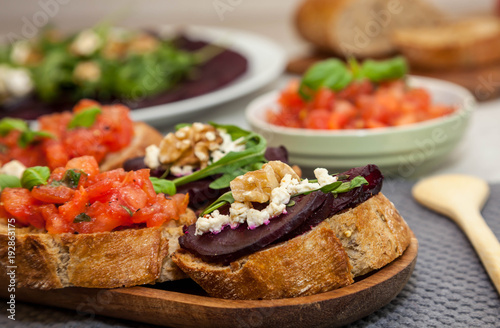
[(401, 142)]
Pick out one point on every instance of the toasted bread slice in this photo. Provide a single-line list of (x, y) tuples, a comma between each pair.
[(466, 43), (330, 256), (360, 28), (122, 258)]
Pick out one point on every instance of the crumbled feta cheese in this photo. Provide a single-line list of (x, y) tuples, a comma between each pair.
[(14, 168), (214, 223), (275, 209), (280, 196), (16, 82), (323, 177), (86, 43), (180, 171), (238, 213), (257, 218), (228, 145), (152, 156), (21, 51)]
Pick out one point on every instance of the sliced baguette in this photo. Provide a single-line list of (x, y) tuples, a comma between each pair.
[(99, 260), (329, 256), (466, 43), (360, 28)]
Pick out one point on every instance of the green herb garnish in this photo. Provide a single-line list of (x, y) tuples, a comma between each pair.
[(9, 181), (82, 217), (85, 118), (226, 198), (163, 186), (35, 176), (336, 75), (71, 178), (129, 211), (27, 135)]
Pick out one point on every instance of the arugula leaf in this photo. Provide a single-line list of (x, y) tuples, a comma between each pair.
[(82, 217), (330, 73), (35, 176), (224, 199), (233, 161), (350, 185), (9, 181), (85, 118), (163, 186)]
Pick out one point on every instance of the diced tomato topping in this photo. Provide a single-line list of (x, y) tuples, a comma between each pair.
[(101, 202), (360, 105), (112, 131)]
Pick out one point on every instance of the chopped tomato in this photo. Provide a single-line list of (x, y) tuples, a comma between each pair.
[(102, 202), (112, 131), (360, 105)]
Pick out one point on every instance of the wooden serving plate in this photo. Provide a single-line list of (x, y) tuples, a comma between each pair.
[(185, 305)]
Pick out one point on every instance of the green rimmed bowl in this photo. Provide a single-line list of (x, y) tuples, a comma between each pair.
[(404, 151)]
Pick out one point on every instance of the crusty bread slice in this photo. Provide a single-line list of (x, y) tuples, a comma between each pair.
[(122, 258), (468, 42), (144, 135), (360, 28), (329, 256)]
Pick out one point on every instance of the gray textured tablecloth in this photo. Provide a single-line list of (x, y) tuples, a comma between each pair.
[(449, 286)]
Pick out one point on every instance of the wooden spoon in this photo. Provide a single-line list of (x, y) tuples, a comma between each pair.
[(461, 198)]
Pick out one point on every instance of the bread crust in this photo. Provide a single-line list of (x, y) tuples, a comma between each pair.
[(467, 43), (360, 28), (122, 258), (323, 259)]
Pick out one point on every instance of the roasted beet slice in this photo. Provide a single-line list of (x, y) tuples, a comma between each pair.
[(344, 201), (230, 244)]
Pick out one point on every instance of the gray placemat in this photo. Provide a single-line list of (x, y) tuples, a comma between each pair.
[(449, 286)]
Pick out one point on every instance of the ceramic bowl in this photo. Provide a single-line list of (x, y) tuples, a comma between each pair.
[(404, 150)]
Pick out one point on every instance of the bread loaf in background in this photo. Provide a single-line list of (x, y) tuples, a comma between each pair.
[(465, 43), (360, 28)]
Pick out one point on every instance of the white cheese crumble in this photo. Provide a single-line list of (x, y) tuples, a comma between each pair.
[(14, 168), (16, 82), (151, 159), (280, 197), (227, 146), (180, 171), (86, 43)]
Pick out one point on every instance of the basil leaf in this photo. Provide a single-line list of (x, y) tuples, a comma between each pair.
[(28, 136), (384, 70), (129, 211), (9, 181), (224, 199), (82, 217), (71, 178), (85, 118), (8, 124), (163, 186), (330, 73), (35, 176)]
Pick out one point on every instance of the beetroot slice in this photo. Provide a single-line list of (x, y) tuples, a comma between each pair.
[(230, 244)]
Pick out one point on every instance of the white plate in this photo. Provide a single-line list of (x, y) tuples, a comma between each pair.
[(266, 61)]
